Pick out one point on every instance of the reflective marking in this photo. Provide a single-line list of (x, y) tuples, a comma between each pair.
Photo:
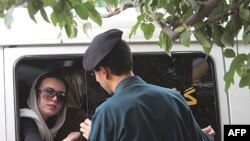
[(192, 100)]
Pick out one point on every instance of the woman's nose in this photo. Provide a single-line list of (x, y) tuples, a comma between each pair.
[(55, 98)]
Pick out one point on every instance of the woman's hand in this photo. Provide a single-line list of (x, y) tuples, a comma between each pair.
[(85, 128), (209, 130), (73, 136)]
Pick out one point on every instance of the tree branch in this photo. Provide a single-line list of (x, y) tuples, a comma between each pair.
[(204, 11), (237, 4), (165, 28), (223, 14), (117, 11)]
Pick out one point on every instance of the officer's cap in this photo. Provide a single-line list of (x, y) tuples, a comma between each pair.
[(100, 47)]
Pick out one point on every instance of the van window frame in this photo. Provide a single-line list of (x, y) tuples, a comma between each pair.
[(79, 58)]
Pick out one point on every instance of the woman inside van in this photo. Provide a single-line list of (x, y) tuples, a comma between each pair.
[(46, 110), (84, 94)]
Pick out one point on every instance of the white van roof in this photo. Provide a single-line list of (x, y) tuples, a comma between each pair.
[(25, 31)]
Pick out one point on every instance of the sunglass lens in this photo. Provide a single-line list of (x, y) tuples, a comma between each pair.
[(49, 92), (61, 96)]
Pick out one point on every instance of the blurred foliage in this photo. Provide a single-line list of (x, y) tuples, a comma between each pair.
[(209, 21)]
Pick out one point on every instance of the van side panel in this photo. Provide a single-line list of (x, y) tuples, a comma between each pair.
[(239, 97), (237, 113), (2, 98), (10, 95), (224, 111)]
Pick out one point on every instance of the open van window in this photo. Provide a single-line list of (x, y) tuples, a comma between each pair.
[(191, 75), (188, 73)]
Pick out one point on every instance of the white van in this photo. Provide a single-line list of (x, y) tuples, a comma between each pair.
[(29, 49)]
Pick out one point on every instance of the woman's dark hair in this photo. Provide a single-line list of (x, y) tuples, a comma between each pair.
[(75, 79), (119, 60)]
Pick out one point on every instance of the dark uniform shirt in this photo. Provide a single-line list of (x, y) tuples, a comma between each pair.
[(143, 112)]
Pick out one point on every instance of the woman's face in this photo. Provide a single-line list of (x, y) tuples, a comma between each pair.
[(50, 97)]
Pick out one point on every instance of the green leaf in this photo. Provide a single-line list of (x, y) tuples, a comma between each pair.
[(86, 26), (244, 14), (33, 7), (239, 70), (245, 80), (246, 30), (237, 63), (148, 30), (10, 2), (170, 8), (192, 4), (238, 60), (62, 14), (44, 14), (186, 14), (180, 29), (165, 42), (135, 27), (59, 18), (248, 61), (1, 14), (147, 2), (112, 3), (217, 33), (219, 9), (204, 41), (51, 3), (71, 30), (229, 79), (93, 14), (158, 15), (60, 7), (82, 11), (185, 38), (53, 18), (246, 39), (162, 2), (232, 27), (8, 19), (227, 39), (229, 53), (199, 25), (1, 6), (74, 3)]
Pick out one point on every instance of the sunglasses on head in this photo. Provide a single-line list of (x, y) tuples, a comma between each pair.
[(50, 93)]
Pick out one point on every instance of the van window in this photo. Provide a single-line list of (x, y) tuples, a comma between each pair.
[(189, 73)]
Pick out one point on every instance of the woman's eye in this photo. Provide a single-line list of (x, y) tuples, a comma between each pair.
[(49, 91)]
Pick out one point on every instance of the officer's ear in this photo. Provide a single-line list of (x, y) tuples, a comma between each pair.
[(106, 72)]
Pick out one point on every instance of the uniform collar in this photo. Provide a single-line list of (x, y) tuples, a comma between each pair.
[(128, 82)]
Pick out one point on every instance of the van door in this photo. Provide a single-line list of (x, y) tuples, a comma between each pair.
[(208, 104), (2, 98)]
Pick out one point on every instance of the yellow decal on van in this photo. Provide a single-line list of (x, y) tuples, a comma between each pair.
[(187, 94)]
